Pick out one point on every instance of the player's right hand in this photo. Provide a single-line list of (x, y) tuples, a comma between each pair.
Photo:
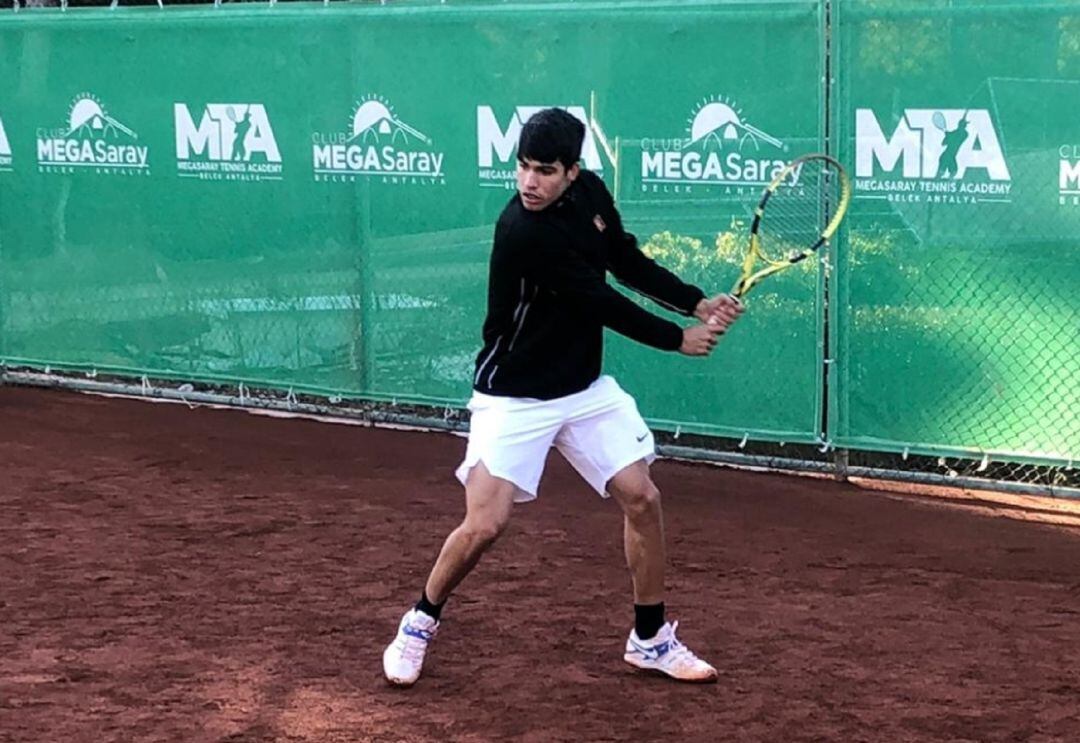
[(720, 311), (699, 340)]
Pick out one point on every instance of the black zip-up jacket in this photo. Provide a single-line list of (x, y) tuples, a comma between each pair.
[(549, 301)]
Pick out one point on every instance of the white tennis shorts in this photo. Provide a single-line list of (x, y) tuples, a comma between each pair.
[(599, 430)]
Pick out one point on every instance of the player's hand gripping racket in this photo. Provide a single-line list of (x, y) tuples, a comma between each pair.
[(797, 214)]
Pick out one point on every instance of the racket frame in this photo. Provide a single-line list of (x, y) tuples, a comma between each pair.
[(749, 278)]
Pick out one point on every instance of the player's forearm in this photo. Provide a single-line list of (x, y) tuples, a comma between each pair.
[(628, 319), (642, 274)]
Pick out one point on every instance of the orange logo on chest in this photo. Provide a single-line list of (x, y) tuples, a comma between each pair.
[(599, 222)]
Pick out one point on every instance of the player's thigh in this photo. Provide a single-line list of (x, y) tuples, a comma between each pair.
[(606, 436), (511, 438), (488, 499)]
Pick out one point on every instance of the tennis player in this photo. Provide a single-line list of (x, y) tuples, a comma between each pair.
[(538, 384)]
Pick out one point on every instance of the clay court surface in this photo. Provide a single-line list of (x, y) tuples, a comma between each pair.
[(169, 574)]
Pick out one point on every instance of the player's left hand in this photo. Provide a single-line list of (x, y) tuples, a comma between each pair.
[(719, 312)]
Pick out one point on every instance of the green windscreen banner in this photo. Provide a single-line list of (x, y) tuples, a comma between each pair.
[(304, 197), (957, 325)]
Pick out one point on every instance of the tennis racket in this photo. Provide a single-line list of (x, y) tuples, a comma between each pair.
[(799, 212), (938, 120)]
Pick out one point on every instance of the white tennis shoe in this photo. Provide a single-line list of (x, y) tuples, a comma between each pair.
[(403, 659), (665, 654)]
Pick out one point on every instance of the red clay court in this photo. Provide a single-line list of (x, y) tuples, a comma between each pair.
[(169, 574)]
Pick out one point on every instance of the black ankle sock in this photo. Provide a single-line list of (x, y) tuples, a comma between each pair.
[(432, 610), (648, 619)]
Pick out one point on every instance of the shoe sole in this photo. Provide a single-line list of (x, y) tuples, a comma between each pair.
[(658, 672)]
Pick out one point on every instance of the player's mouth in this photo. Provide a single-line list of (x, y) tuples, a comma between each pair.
[(531, 199)]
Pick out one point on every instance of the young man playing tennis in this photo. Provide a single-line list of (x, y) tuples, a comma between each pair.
[(537, 384)]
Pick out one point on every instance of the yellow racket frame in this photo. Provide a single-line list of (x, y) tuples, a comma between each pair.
[(749, 277)]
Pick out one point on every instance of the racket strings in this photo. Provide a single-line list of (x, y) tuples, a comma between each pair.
[(798, 212)]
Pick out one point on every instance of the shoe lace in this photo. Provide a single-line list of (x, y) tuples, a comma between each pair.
[(414, 642), (413, 649), (678, 652)]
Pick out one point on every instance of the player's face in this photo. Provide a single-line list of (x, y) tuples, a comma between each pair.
[(541, 184)]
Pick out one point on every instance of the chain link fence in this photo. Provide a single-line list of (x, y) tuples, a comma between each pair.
[(939, 339), (956, 328)]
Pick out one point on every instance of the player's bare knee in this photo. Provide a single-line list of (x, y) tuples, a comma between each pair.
[(484, 532), (642, 503)]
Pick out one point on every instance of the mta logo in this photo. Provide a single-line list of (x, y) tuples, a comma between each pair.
[(226, 131), (496, 142), (929, 143)]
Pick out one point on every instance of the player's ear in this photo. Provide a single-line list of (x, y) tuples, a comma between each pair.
[(573, 172)]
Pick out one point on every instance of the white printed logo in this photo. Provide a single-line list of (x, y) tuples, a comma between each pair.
[(380, 145), (5, 150), (1069, 175), (497, 146), (92, 140), (232, 141), (722, 154), (936, 155)]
